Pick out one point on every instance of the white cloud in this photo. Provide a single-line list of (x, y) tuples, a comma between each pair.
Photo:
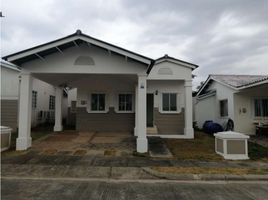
[(220, 36)]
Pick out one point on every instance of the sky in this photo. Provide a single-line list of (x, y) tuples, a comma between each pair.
[(221, 36)]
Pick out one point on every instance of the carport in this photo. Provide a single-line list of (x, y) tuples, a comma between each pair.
[(74, 59)]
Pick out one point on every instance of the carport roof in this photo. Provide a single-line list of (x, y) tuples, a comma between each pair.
[(40, 51)]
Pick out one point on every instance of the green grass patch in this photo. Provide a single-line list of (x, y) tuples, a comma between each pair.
[(257, 152), (202, 147)]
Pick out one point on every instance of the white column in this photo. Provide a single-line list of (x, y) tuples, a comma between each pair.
[(58, 110), (188, 129), (24, 140), (142, 143), (136, 111)]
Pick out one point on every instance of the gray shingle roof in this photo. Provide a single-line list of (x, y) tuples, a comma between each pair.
[(238, 81)]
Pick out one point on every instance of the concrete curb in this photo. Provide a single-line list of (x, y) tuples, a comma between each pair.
[(206, 177)]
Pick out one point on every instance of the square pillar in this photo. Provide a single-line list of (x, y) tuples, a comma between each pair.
[(142, 143), (24, 140), (58, 110), (136, 111), (188, 111)]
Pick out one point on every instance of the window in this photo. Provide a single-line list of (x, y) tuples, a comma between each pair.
[(97, 102), (169, 102), (34, 99), (224, 108), (51, 102), (261, 107), (73, 106), (125, 102)]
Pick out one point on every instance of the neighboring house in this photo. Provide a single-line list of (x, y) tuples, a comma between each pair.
[(9, 94), (43, 98), (116, 89), (242, 98)]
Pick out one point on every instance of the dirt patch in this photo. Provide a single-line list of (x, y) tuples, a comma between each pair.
[(111, 152), (60, 137), (80, 152), (106, 140), (50, 151)]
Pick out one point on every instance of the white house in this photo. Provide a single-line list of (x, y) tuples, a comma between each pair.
[(43, 98), (116, 89), (242, 98)]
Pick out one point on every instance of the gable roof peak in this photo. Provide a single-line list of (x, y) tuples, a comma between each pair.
[(78, 32)]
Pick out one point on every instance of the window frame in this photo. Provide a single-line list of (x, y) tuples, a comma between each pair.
[(52, 97), (132, 102), (178, 107), (89, 105), (254, 109), (34, 99), (220, 111)]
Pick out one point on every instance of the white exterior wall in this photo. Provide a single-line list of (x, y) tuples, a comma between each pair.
[(110, 85), (223, 92), (209, 108), (9, 83), (170, 71), (44, 90), (166, 86), (10, 91), (245, 122), (104, 63), (205, 110), (72, 96)]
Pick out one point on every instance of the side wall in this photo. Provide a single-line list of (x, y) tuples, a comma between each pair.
[(209, 108), (44, 90), (205, 110), (222, 93), (9, 97), (9, 113), (9, 83)]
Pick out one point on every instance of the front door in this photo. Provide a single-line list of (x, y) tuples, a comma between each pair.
[(150, 110)]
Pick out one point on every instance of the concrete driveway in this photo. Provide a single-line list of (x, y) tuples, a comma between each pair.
[(86, 143)]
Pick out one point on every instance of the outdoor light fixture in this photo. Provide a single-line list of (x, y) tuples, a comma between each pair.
[(156, 92)]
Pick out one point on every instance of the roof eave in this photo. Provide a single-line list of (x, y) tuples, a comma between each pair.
[(176, 61), (253, 85), (72, 37)]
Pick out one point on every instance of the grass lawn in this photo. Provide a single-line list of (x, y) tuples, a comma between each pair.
[(203, 148)]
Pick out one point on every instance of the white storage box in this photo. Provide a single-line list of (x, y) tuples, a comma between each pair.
[(232, 145), (5, 137)]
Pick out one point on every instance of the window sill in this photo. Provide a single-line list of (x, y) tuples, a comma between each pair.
[(224, 117), (260, 118), (122, 112), (100, 112), (170, 112)]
